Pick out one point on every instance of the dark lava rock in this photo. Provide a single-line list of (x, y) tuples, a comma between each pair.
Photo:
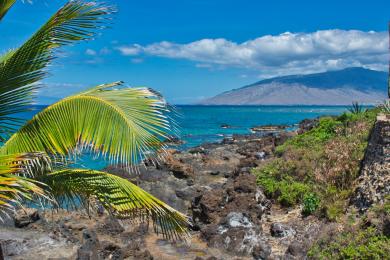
[(112, 226), (236, 233), (199, 149), (281, 230), (296, 249), (245, 184), (307, 124), (173, 141), (109, 250), (261, 251), (24, 217), (89, 249)]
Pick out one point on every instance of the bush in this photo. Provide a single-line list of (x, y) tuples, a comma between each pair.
[(324, 160), (358, 244), (310, 204), (278, 183)]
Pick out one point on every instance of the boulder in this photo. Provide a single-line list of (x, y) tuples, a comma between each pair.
[(281, 230), (89, 249), (24, 217)]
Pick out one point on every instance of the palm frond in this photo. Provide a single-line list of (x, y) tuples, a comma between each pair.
[(120, 197), (14, 188), (5, 5), (121, 123), (21, 69)]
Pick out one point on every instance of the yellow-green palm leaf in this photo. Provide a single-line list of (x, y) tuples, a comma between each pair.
[(22, 68), (123, 124), (5, 5), (15, 188), (119, 196)]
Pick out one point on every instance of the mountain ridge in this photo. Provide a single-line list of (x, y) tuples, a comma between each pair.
[(339, 87)]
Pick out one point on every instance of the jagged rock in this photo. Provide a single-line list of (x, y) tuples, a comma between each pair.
[(295, 249), (235, 233), (374, 181), (261, 251), (109, 250), (89, 249), (281, 230), (307, 124), (24, 217), (111, 225)]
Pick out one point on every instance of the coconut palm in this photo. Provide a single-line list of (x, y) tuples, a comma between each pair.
[(118, 123)]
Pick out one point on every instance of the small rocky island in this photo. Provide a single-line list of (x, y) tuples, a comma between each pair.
[(214, 184)]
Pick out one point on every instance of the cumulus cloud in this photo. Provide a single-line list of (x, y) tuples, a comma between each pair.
[(287, 53)]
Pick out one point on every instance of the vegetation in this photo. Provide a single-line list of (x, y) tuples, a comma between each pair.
[(369, 239), (310, 204), (118, 123), (356, 108), (317, 168), (385, 108), (358, 244)]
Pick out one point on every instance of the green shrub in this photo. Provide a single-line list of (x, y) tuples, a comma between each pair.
[(324, 160), (360, 244), (310, 204), (277, 181)]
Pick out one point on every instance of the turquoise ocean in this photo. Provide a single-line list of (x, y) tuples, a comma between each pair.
[(200, 124)]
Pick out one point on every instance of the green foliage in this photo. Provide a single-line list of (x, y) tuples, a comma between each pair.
[(356, 108), (120, 123), (276, 180), (135, 114), (361, 244), (22, 68), (311, 202), (323, 161), (120, 197), (385, 107), (325, 130)]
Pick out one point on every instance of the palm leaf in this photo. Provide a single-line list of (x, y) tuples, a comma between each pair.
[(123, 124), (14, 188), (5, 5), (22, 68), (120, 197)]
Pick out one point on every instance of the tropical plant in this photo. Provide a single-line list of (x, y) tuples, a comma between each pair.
[(385, 107), (121, 124), (356, 108)]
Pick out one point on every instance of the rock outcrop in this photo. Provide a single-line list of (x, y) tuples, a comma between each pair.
[(373, 185)]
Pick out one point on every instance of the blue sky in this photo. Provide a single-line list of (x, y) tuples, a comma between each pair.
[(189, 50)]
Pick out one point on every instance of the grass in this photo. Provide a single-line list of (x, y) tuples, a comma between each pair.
[(317, 168)]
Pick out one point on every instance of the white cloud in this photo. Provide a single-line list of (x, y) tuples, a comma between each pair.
[(132, 50), (287, 53), (90, 52)]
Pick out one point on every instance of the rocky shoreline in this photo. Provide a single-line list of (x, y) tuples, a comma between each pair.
[(212, 184)]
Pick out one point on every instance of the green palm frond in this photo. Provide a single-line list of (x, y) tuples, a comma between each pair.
[(121, 123), (14, 188), (5, 5), (22, 68), (120, 197)]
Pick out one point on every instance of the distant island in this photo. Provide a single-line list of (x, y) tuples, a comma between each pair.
[(341, 87)]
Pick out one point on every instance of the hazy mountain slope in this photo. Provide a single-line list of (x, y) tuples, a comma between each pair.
[(328, 88)]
